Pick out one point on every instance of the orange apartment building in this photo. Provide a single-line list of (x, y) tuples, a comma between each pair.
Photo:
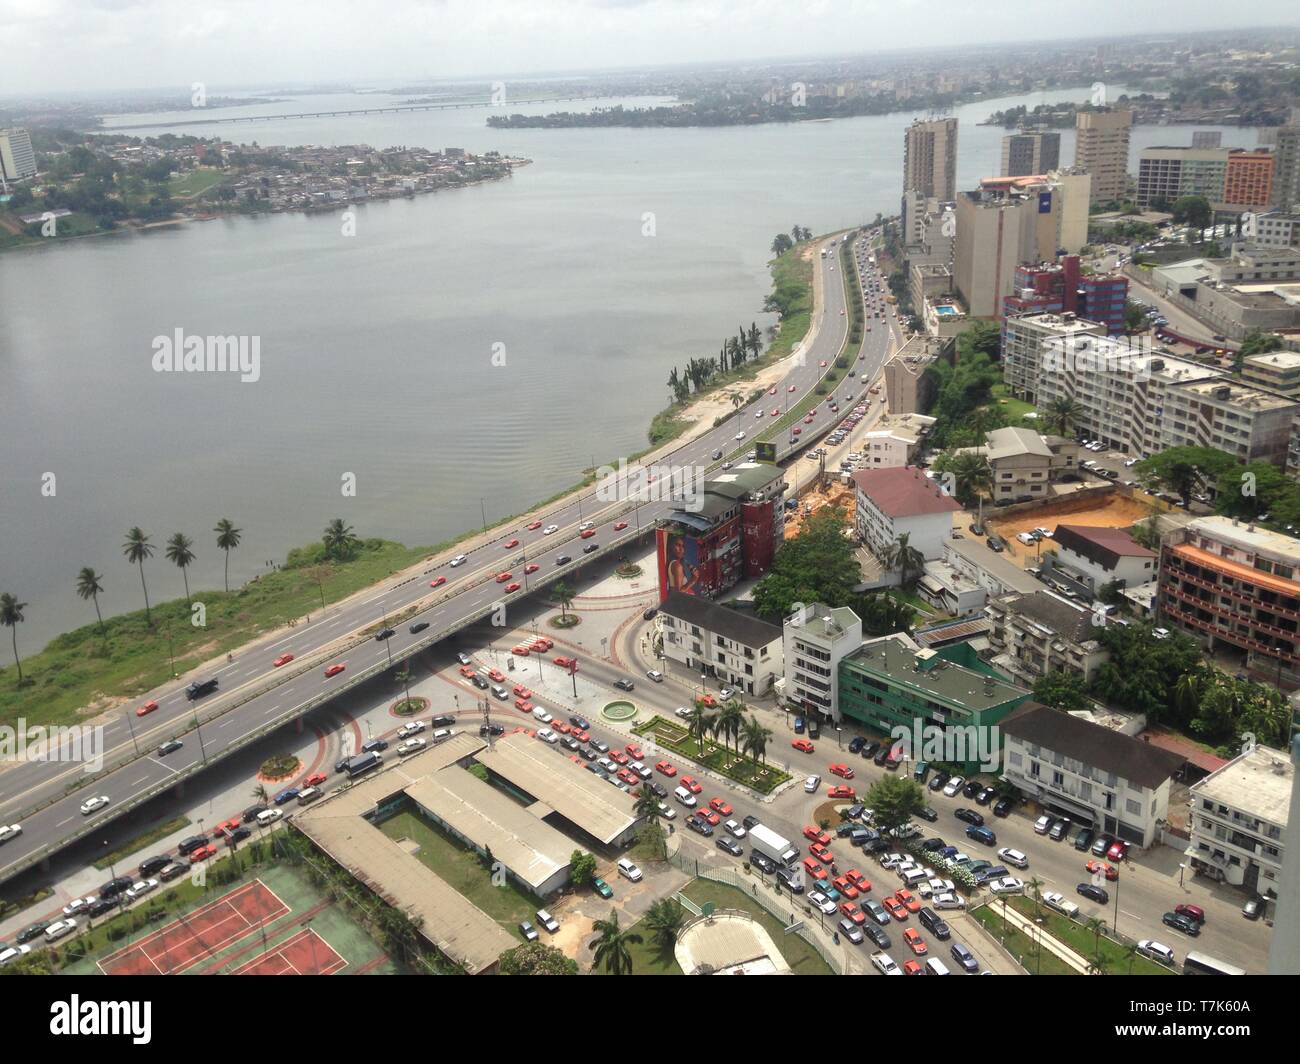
[(1231, 584), (1248, 179)]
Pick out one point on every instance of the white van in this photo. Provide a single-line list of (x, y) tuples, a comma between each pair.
[(60, 929), (685, 797), (628, 870), (934, 966), (913, 876), (540, 714), (309, 795), (268, 816)]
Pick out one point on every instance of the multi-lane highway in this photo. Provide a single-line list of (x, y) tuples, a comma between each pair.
[(255, 696)]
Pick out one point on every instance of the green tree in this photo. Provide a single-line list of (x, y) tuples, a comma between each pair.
[(536, 958), (339, 539), (699, 722), (1061, 690), (754, 739), (817, 565), (1183, 470), (563, 594), (179, 553), (781, 244), (90, 588), (1134, 320), (664, 920), (1194, 211), (731, 718), (227, 540), (901, 555), (895, 800), (1258, 342), (11, 616), (582, 868), (612, 946), (136, 549)]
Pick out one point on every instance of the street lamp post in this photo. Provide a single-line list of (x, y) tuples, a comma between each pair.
[(131, 729), (199, 732)]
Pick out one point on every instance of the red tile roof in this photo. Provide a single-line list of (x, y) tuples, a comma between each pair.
[(903, 492)]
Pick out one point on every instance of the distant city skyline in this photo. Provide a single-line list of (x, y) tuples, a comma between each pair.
[(94, 46)]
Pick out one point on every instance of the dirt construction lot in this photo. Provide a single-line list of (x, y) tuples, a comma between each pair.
[(1111, 511)]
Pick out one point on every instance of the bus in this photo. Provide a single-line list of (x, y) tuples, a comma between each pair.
[(1203, 964)]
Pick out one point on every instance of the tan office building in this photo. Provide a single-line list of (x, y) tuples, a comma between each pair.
[(1101, 147)]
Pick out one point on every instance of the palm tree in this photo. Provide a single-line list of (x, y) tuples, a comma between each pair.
[(612, 947), (89, 587), (259, 792), (730, 720), (338, 538), (179, 554), (974, 476), (647, 805), (1062, 414), (1035, 886), (11, 616), (737, 400), (137, 548), (664, 919), (227, 539), (1188, 690), (903, 556), (561, 593), (1130, 953), (1098, 964), (754, 739), (1096, 926), (698, 723)]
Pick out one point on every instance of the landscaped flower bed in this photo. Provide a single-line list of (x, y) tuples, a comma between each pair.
[(726, 762)]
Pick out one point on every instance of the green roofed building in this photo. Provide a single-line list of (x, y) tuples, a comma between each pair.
[(892, 682)]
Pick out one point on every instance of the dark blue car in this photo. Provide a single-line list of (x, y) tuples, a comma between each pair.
[(798, 725), (287, 795)]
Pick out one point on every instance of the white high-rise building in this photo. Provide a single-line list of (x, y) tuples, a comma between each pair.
[(17, 160)]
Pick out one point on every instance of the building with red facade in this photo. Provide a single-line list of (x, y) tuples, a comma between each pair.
[(729, 532), (1063, 288)]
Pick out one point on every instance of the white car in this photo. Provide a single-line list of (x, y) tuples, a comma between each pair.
[(586, 526), (655, 675), (1160, 633), (77, 904), (13, 953), (739, 435), (413, 727), (1056, 901), (59, 929), (460, 559), (11, 831), (667, 812), (822, 902), (811, 784), (541, 716), (91, 804), (548, 736), (885, 964), (1006, 885), (758, 415), (936, 887), (139, 890), (1157, 951), (953, 786), (682, 711), (734, 830), (550, 530), (893, 860), (1013, 857), (641, 770), (948, 901), (442, 735), (411, 746), (1043, 825)]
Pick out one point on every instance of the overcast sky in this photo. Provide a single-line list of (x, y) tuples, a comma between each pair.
[(89, 45)]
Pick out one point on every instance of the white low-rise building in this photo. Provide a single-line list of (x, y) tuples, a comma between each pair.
[(816, 637), (1096, 776), (1239, 815), (734, 646), (1097, 556), (892, 503)]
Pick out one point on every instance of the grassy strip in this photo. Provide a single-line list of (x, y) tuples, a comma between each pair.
[(85, 668), (1024, 948), (801, 957), (1015, 409), (138, 843), (194, 183), (741, 768), (1116, 957)]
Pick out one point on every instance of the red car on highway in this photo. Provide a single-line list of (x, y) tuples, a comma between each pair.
[(146, 709), (512, 587), (511, 545), (586, 533), (620, 526), (542, 643), (531, 567), (534, 526), (437, 581), (564, 662), (334, 670), (503, 577), (283, 659)]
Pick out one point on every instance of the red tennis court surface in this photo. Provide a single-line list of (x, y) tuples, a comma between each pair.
[(306, 953), (201, 933)]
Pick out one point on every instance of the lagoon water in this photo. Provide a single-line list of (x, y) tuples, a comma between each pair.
[(377, 350)]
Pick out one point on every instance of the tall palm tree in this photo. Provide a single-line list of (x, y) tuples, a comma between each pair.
[(227, 539), (698, 723), (259, 792), (339, 538), (1096, 926), (731, 719), (11, 616), (612, 947), (564, 596), (903, 556), (664, 919), (1188, 690), (1035, 886), (754, 738), (1130, 954), (974, 476), (647, 805), (89, 587), (137, 548), (1062, 414), (179, 554), (1098, 964)]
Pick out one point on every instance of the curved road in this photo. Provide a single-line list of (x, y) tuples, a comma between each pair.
[(255, 697)]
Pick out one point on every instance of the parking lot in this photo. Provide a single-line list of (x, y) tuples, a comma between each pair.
[(1114, 510)]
